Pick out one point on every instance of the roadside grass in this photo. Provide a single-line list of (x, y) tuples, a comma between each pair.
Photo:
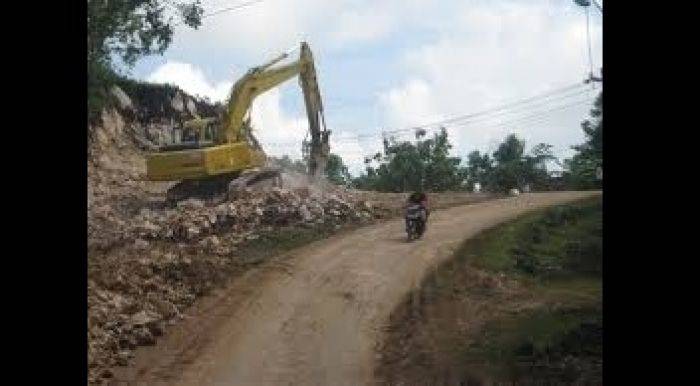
[(560, 242), (520, 303), (557, 255)]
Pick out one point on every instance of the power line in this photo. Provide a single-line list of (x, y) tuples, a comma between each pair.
[(532, 105), (498, 108), (232, 8), (488, 114), (223, 10), (527, 119), (455, 122), (535, 118)]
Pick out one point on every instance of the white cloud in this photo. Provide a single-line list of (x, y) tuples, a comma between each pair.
[(263, 29), (495, 52), (191, 79), (278, 131), (411, 104), (363, 24)]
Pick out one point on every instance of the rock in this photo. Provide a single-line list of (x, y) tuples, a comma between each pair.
[(107, 373), (305, 214), (191, 107), (123, 358), (144, 317), (123, 100), (164, 307), (192, 232), (155, 328), (140, 244), (191, 203), (144, 337), (211, 242), (126, 343), (177, 103)]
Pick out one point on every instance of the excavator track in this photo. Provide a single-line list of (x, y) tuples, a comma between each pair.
[(219, 188)]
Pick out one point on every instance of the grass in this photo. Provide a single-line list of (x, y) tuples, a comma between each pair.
[(562, 241), (541, 325), (543, 345), (558, 253)]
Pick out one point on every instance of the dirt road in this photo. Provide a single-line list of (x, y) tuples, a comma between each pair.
[(315, 319)]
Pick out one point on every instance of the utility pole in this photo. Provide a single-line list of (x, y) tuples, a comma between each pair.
[(586, 4)]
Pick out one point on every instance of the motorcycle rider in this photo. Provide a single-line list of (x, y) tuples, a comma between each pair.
[(420, 198)]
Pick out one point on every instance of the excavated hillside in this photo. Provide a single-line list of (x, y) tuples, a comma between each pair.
[(148, 262)]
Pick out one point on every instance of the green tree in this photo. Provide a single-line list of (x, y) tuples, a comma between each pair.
[(479, 170), (441, 172), (514, 168), (580, 170), (119, 32), (336, 171), (535, 170), (405, 166), (510, 166)]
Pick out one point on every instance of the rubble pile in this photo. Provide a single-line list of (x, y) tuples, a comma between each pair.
[(133, 297), (155, 261), (251, 210), (147, 262), (193, 221)]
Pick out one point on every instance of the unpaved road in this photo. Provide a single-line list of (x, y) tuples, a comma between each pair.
[(316, 319)]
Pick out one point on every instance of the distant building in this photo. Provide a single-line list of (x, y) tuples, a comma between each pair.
[(477, 187)]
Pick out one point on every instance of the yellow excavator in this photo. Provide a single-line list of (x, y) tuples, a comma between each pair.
[(224, 153)]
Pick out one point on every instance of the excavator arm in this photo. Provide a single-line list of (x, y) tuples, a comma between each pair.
[(263, 78), (320, 149)]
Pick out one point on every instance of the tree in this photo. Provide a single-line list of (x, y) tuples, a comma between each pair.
[(479, 170), (581, 168), (405, 166), (132, 29), (441, 172), (536, 166), (121, 32), (336, 171), (514, 168), (510, 166)]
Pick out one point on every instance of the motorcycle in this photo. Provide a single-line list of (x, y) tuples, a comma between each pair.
[(415, 222)]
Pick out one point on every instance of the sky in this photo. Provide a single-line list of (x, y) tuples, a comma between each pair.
[(397, 64)]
